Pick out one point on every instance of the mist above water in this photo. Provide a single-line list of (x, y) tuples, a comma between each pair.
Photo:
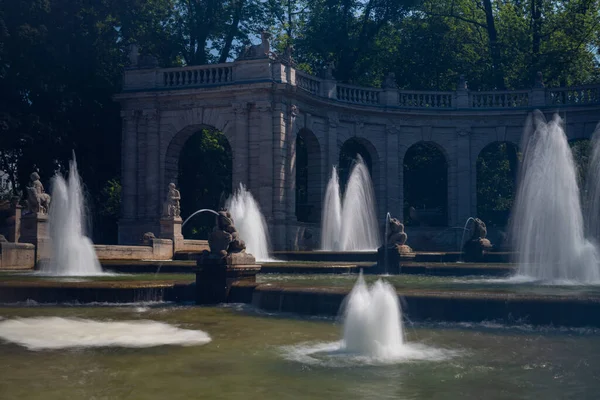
[(72, 252), (350, 225), (547, 221), (250, 223)]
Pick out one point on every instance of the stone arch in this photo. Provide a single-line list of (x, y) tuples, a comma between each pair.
[(308, 176), (425, 172), (497, 168), (347, 155), (199, 161)]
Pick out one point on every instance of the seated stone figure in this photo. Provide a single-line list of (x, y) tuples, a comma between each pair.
[(225, 239), (397, 237), (478, 243), (172, 207), (38, 201)]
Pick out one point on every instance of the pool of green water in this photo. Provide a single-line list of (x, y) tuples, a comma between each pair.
[(250, 357), (426, 282)]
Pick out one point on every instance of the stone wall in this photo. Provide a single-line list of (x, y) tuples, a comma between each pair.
[(261, 106)]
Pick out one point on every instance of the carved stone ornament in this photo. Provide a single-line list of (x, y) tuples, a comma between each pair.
[(396, 237), (38, 201), (224, 239), (171, 208), (257, 51), (294, 110), (240, 108)]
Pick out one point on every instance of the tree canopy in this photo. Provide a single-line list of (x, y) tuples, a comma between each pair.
[(61, 61)]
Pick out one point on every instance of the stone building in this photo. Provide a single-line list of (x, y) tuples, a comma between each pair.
[(262, 104)]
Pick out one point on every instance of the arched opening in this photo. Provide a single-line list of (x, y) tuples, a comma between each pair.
[(204, 179), (425, 185), (348, 154), (497, 167), (308, 177)]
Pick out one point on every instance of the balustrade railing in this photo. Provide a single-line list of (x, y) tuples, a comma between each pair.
[(574, 95), (198, 75), (219, 74), (422, 99), (308, 82), (357, 94), (504, 99)]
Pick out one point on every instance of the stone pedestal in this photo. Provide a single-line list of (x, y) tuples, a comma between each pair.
[(35, 230), (474, 250), (393, 256), (170, 228), (215, 276), (14, 224)]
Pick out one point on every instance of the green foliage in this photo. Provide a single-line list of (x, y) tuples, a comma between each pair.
[(61, 64), (426, 183), (496, 176), (204, 179)]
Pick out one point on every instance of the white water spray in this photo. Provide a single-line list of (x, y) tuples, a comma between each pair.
[(372, 333), (372, 320), (45, 333), (73, 253), (250, 223), (351, 225), (547, 222)]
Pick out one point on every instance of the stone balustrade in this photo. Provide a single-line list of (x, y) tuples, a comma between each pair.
[(247, 71), (357, 94)]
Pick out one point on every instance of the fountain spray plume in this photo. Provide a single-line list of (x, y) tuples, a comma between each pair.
[(547, 222), (350, 225), (592, 191), (372, 320), (73, 253), (332, 214), (250, 223)]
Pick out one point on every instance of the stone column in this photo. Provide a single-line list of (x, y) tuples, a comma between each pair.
[(152, 172), (280, 142), (290, 179), (241, 160), (128, 176), (392, 173), (462, 171), (265, 159)]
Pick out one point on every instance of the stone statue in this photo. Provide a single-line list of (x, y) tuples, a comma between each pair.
[(172, 208), (539, 80), (224, 239), (462, 83), (396, 237), (133, 53), (261, 50), (38, 201), (328, 72), (390, 81), (477, 243), (147, 238)]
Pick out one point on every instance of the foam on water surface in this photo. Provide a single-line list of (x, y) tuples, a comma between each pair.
[(48, 333)]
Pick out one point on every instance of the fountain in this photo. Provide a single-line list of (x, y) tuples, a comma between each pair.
[(351, 225), (72, 253), (250, 223), (372, 332), (547, 221), (372, 320), (592, 191)]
